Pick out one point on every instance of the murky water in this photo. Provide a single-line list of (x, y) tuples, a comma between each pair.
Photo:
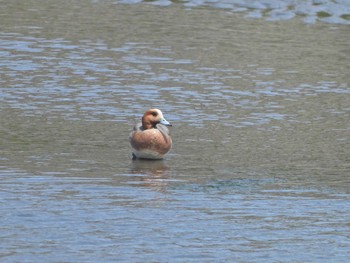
[(260, 167)]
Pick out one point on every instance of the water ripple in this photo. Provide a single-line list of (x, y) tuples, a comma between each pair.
[(53, 73), (336, 12)]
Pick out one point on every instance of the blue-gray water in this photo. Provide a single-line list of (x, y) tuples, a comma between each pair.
[(259, 170)]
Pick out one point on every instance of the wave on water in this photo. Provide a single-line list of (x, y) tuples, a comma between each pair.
[(311, 11)]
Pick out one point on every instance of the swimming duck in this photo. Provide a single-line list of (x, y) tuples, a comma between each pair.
[(150, 138)]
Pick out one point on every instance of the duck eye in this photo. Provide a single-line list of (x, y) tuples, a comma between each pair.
[(154, 114)]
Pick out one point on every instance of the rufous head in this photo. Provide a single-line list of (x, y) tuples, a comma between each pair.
[(152, 117)]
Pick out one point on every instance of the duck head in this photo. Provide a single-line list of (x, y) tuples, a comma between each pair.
[(152, 117)]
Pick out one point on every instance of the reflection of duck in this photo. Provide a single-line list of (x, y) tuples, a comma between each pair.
[(150, 174), (155, 169), (151, 139)]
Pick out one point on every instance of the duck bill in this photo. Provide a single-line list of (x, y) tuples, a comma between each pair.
[(165, 122)]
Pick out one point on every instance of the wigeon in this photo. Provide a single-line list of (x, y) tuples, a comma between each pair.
[(150, 138)]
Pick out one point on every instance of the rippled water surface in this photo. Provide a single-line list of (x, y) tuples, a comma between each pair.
[(260, 166)]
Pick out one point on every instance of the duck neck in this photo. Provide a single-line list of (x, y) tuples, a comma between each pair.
[(146, 124)]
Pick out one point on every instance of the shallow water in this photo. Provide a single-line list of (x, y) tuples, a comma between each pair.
[(259, 169), (311, 11)]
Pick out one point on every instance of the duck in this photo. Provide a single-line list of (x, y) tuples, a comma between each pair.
[(150, 139)]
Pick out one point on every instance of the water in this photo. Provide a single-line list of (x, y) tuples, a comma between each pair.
[(259, 170), (311, 11)]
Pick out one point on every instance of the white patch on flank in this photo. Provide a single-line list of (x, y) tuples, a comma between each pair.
[(147, 154)]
